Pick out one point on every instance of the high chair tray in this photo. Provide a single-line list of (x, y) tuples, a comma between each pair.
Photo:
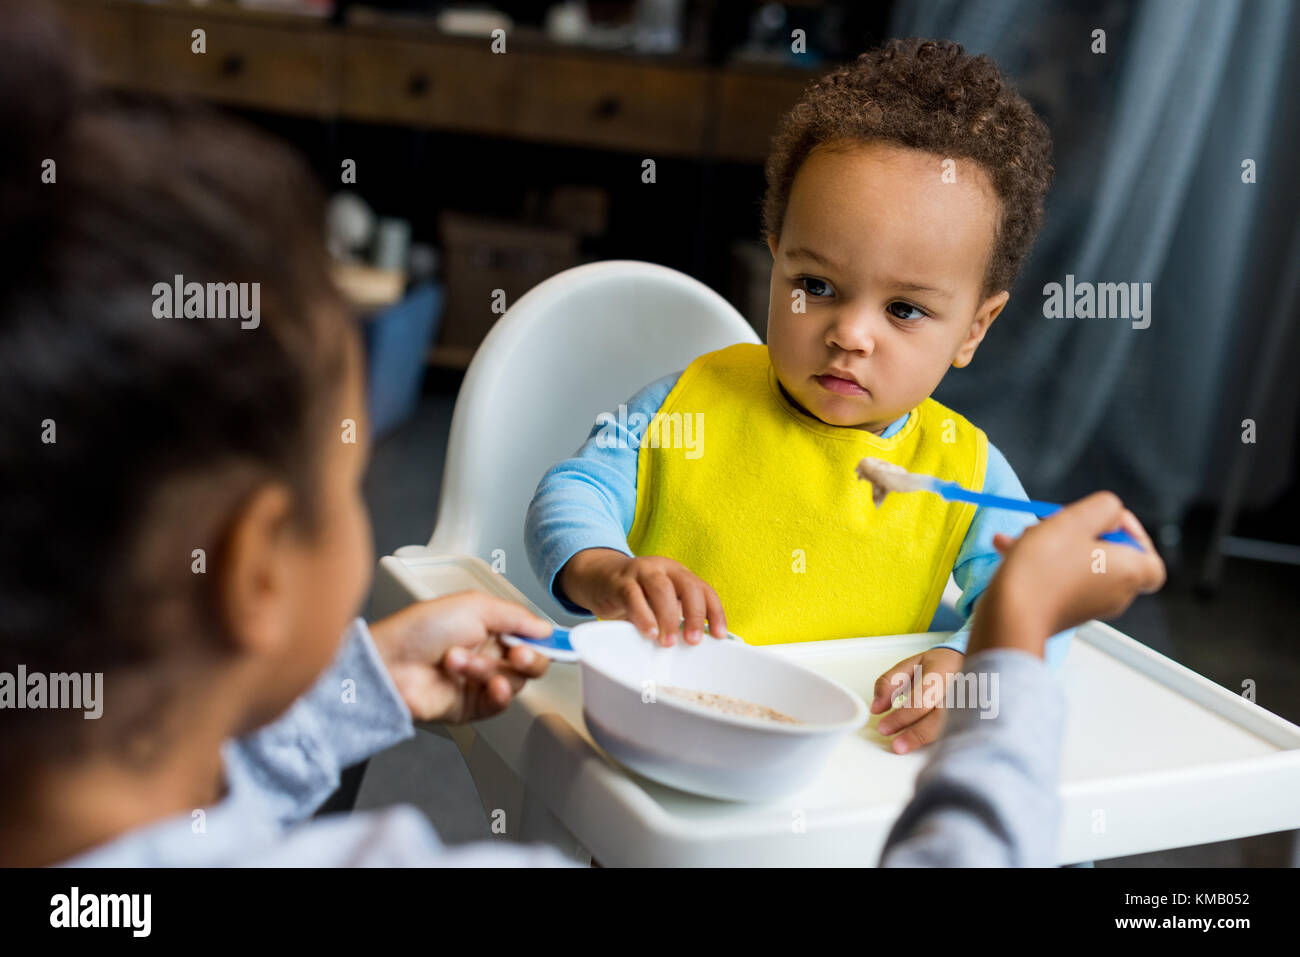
[(1156, 756)]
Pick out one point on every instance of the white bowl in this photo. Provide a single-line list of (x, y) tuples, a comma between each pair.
[(693, 747)]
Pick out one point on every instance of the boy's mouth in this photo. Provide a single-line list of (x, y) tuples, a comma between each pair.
[(840, 384)]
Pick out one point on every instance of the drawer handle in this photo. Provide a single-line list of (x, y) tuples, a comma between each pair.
[(608, 107), (418, 84), (232, 64)]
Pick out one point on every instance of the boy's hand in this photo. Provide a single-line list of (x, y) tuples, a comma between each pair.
[(917, 717), (446, 660), (656, 594), (1059, 574)]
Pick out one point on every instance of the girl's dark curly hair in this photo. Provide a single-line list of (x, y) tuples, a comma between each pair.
[(928, 95)]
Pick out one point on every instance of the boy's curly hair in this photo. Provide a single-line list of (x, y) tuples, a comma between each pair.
[(928, 95)]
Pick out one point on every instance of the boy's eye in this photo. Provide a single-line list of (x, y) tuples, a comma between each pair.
[(816, 287), (901, 310)]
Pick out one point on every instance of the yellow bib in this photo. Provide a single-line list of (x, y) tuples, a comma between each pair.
[(761, 501)]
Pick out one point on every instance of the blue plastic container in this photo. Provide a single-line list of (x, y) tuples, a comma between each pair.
[(397, 347)]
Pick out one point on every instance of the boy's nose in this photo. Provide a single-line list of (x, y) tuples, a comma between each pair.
[(852, 332)]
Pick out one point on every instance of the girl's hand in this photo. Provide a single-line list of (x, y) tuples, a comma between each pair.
[(1059, 574), (446, 660), (917, 716), (658, 595)]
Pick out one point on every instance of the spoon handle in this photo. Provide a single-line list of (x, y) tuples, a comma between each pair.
[(956, 493)]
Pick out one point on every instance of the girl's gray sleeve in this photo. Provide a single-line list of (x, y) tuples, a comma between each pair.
[(352, 712), (394, 837), (988, 795)]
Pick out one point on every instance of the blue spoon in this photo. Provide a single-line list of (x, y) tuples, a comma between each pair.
[(555, 646), (886, 477)]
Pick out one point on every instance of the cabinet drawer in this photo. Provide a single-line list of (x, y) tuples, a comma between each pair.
[(446, 84), (287, 68), (591, 102)]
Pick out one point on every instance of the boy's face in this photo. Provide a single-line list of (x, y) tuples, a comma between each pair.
[(888, 261)]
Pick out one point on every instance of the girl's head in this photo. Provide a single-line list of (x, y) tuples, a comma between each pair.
[(903, 193), (176, 497)]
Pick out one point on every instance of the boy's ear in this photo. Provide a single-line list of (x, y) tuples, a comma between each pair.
[(254, 591), (772, 242), (979, 327)]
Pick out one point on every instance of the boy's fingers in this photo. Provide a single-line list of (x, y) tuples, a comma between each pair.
[(663, 599), (890, 684), (1003, 543), (691, 593), (888, 687), (901, 718), (638, 610), (717, 618), (922, 733)]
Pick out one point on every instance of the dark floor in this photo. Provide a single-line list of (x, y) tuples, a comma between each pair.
[(1244, 631)]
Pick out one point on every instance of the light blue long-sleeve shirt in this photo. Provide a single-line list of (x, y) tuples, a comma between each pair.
[(589, 501), (278, 776), (986, 797)]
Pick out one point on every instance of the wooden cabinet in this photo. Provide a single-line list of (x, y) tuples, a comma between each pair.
[(581, 100), (392, 73)]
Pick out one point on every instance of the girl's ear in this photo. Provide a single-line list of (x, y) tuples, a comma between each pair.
[(254, 590), (979, 327)]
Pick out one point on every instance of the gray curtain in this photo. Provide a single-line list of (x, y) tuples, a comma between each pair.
[(1149, 143)]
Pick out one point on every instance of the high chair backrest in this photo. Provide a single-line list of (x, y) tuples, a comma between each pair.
[(574, 346)]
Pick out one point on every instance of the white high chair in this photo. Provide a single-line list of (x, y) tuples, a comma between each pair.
[(573, 346)]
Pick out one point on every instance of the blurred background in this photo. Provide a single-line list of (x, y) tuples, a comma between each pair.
[(455, 171)]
